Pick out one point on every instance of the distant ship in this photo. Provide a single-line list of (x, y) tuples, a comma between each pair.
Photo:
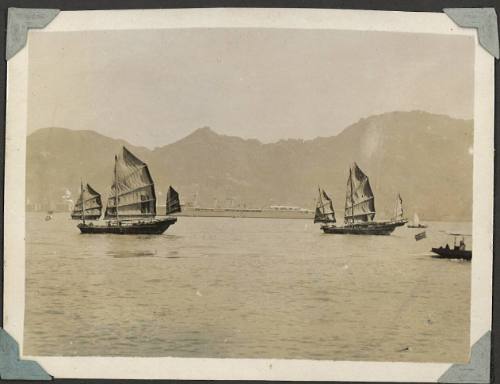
[(273, 212), (416, 223), (131, 206), (359, 212)]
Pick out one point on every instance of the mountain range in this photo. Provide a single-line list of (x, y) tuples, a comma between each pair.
[(427, 158)]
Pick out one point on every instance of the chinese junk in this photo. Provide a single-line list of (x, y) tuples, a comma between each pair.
[(131, 206), (359, 212)]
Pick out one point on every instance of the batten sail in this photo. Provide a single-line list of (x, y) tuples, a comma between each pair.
[(398, 211), (173, 203), (133, 191), (359, 202), (324, 212), (88, 206)]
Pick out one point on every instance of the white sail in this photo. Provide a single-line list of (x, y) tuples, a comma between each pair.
[(133, 188), (359, 202), (416, 220)]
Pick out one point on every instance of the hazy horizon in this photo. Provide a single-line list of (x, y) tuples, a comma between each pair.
[(155, 87)]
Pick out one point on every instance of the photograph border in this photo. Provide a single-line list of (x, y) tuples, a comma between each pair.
[(248, 369)]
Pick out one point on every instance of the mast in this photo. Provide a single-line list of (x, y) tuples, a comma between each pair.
[(352, 197), (396, 210), (321, 200), (116, 190), (400, 202), (83, 202)]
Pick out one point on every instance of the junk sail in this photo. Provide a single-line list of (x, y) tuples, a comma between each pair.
[(359, 201), (173, 203), (133, 189), (398, 211), (324, 209), (89, 203)]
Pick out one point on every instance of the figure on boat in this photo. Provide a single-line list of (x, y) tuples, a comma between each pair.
[(359, 211), (131, 205), (458, 251)]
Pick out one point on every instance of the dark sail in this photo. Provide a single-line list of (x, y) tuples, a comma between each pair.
[(173, 202), (324, 209), (89, 203), (133, 189), (359, 202)]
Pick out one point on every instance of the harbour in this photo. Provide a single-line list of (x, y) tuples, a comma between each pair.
[(231, 287)]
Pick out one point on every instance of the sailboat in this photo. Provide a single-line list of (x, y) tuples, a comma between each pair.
[(91, 200), (131, 205), (324, 212), (416, 222), (359, 212)]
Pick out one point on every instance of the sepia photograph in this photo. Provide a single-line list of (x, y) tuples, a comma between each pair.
[(251, 192)]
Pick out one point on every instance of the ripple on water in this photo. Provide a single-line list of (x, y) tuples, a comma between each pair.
[(244, 288)]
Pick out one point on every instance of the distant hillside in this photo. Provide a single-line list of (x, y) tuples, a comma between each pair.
[(425, 157)]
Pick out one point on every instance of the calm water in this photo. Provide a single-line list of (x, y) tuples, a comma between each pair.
[(223, 287)]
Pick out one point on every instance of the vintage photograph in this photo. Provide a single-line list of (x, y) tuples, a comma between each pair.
[(249, 193)]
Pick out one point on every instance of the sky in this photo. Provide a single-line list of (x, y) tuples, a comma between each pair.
[(154, 87)]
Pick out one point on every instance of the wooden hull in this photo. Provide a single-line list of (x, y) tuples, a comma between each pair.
[(373, 228), (448, 253), (153, 227)]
